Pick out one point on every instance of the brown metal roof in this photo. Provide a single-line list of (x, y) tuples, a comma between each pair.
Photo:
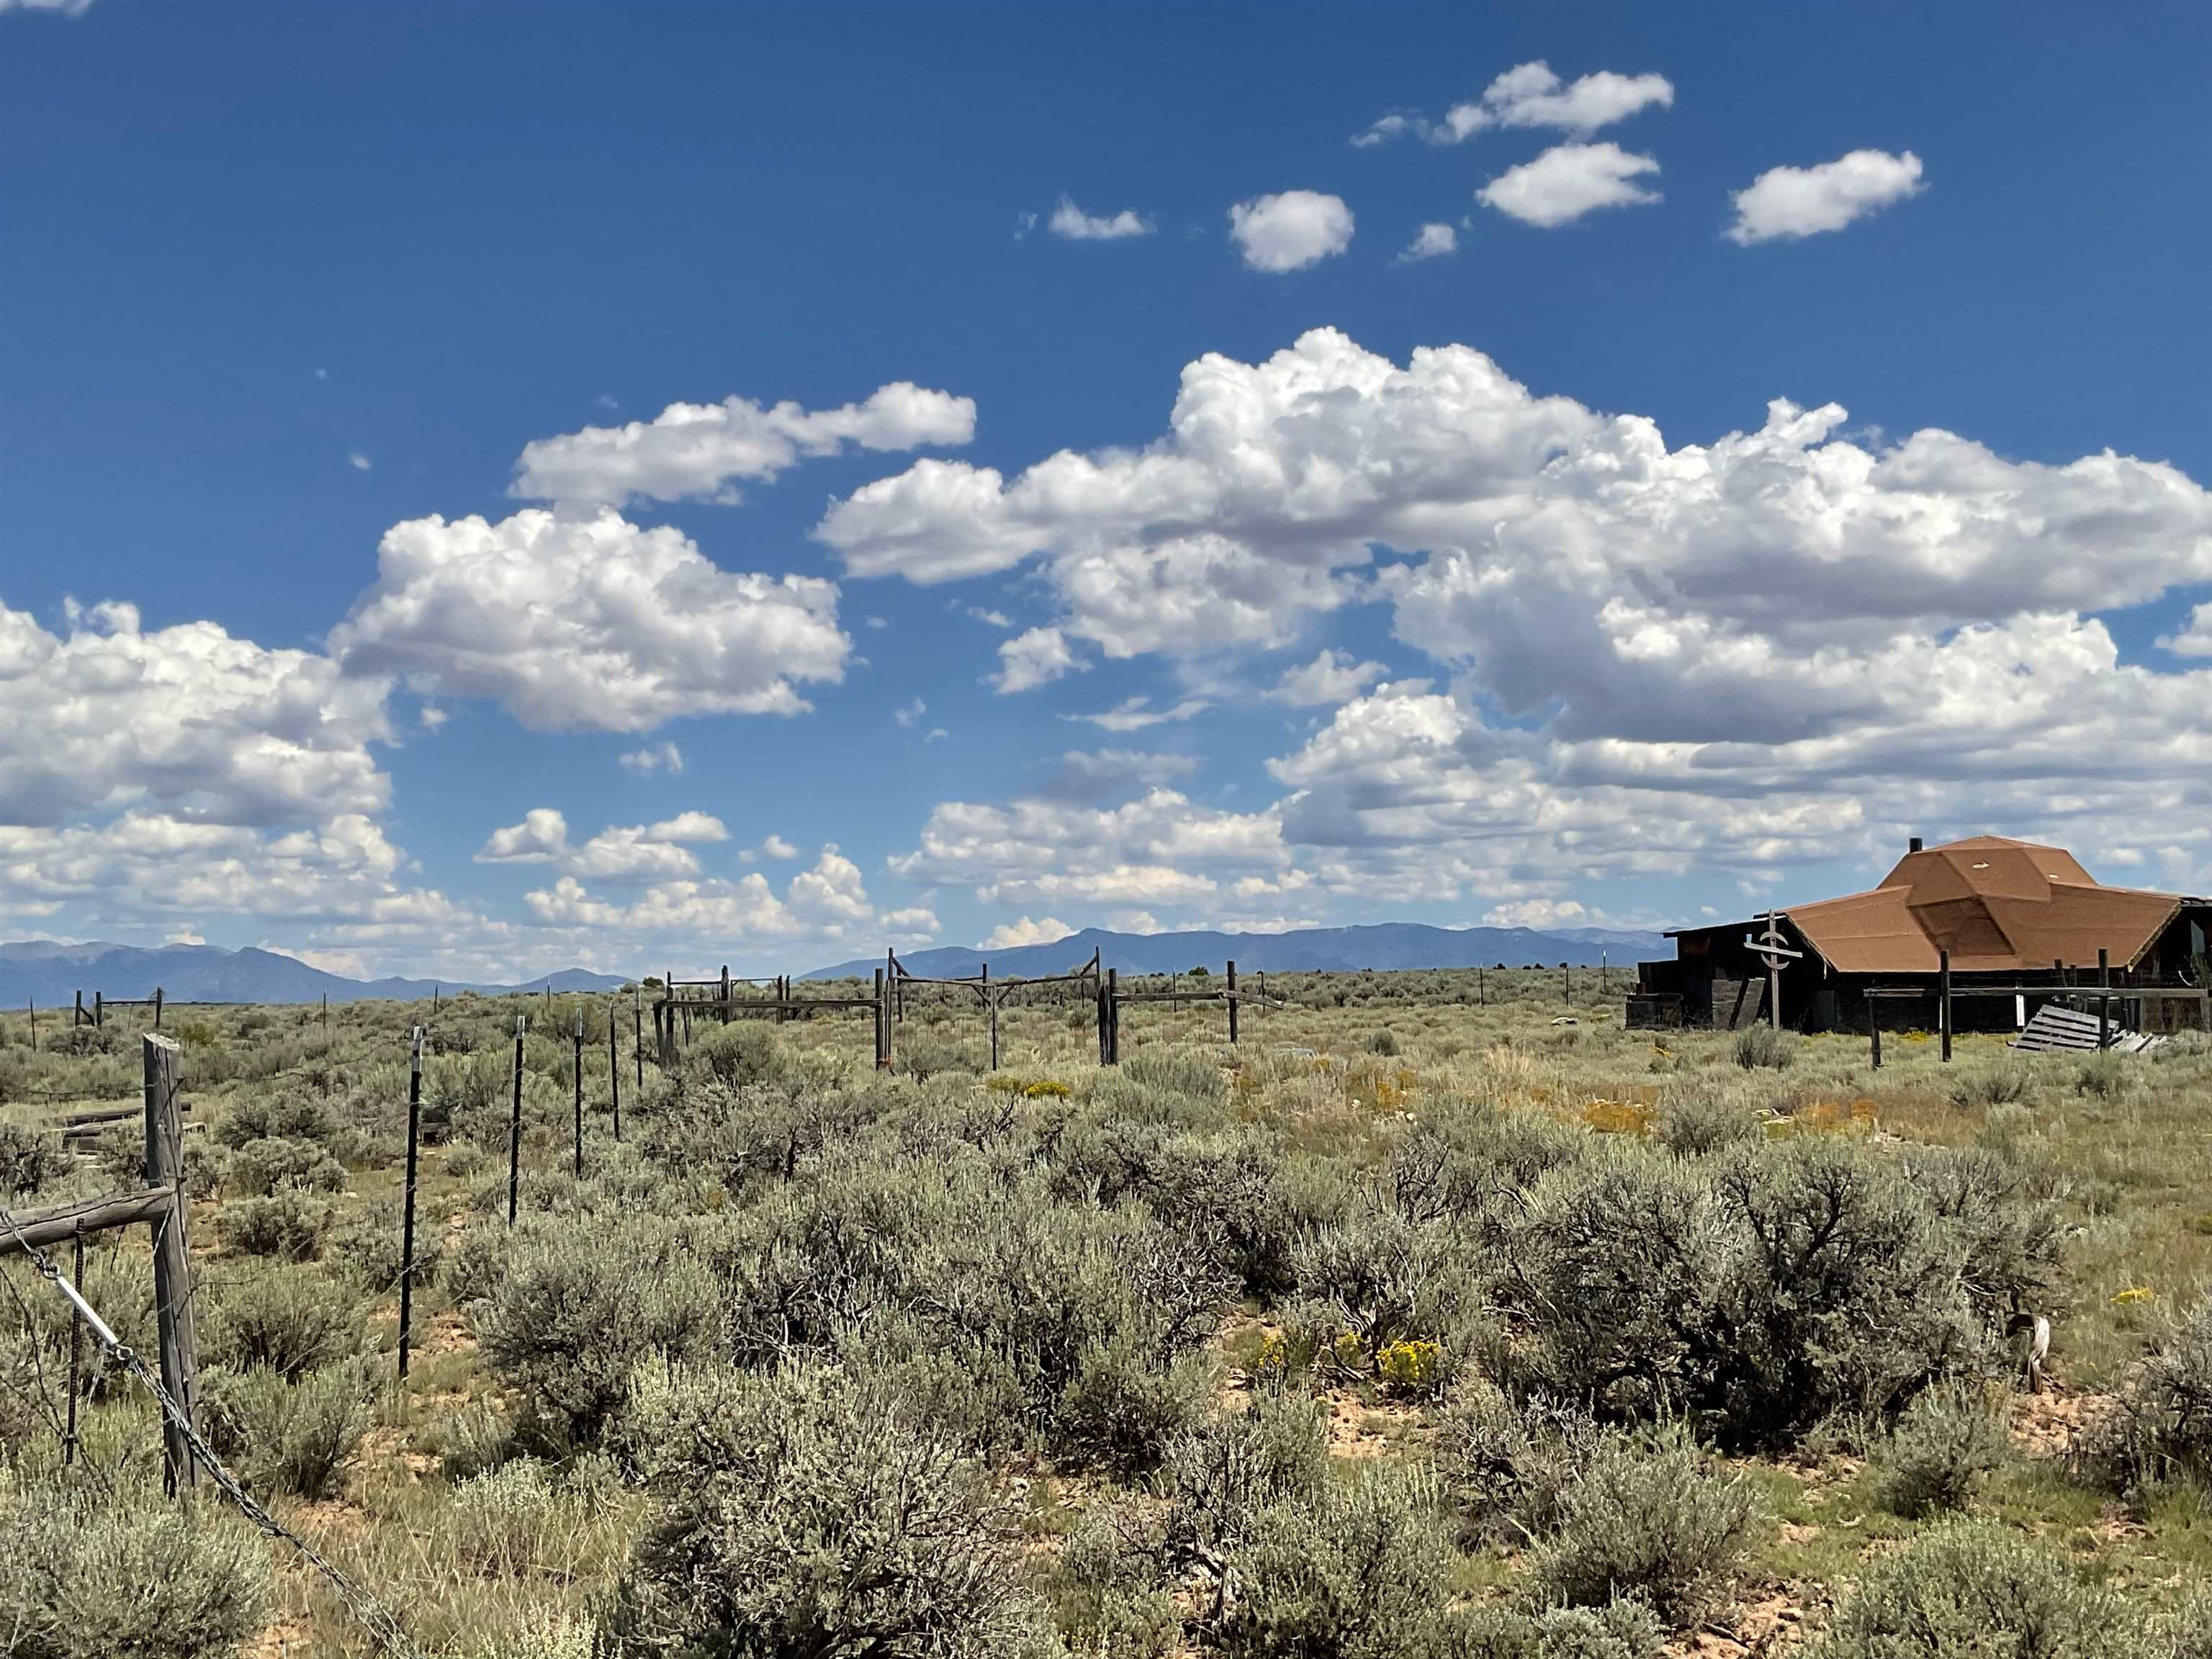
[(1997, 905)]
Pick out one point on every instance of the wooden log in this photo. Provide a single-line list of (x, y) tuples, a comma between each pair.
[(1232, 1003), (407, 1201), (113, 1115), (173, 1288), (41, 1228)]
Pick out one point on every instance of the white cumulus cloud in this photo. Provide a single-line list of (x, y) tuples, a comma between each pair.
[(1036, 658), (1013, 935), (587, 624), (654, 757), (1569, 180), (1071, 223), (1431, 242), (1291, 230), (1532, 95), (1801, 202), (701, 449)]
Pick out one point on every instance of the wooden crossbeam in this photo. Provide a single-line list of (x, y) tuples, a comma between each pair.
[(37, 1229)]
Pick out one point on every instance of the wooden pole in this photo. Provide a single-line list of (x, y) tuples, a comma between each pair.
[(725, 993), (1943, 999), (990, 1005), (883, 1024), (614, 1068), (1874, 1028), (2104, 1004), (514, 1127), (1482, 987), (1232, 1004), (98, 1011), (77, 1017), (1567, 971), (407, 1201), (33, 1003), (1113, 1016), (578, 1072), (637, 1032), (157, 1008), (1774, 976), (1103, 1058), (173, 1289)]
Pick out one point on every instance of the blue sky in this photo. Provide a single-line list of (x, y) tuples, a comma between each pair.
[(1610, 643)]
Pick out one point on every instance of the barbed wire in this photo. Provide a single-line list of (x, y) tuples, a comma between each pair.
[(373, 1614)]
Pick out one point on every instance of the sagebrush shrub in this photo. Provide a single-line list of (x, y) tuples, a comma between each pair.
[(1938, 1449), (575, 1306), (29, 1160), (272, 1162), (1618, 1630), (1377, 1278), (1220, 1475), (809, 1512), (2161, 1426), (283, 1317), (287, 1436), (1763, 1047), (276, 1114), (93, 1574), (1652, 1516), (1704, 1125), (1970, 1588), (1358, 1570), (1505, 1463), (288, 1224)]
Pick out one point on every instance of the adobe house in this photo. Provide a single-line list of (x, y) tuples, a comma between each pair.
[(2010, 912)]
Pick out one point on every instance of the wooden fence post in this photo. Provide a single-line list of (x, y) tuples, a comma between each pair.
[(407, 1201), (514, 1127), (991, 1006), (1874, 1028), (1943, 1000), (1113, 1016), (172, 1291), (725, 993), (1232, 1003), (77, 1019), (98, 1011), (157, 1008), (882, 1023), (2104, 1004), (637, 1032), (578, 1072)]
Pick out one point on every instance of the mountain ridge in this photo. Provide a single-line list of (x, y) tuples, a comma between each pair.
[(1382, 947), (52, 975)]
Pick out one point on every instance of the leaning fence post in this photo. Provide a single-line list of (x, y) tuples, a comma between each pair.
[(514, 1127), (172, 1291), (1232, 1002), (407, 1201), (1943, 1000)]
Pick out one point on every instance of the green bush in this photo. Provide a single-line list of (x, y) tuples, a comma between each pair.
[(1123, 1405), (91, 1575), (740, 1053), (366, 1251), (1108, 1588), (1358, 1570), (1376, 1279), (29, 1160), (277, 1114), (1220, 1475), (265, 1166), (285, 1318), (809, 1511), (2161, 1425), (1937, 1450), (1619, 1630), (576, 1305), (1697, 1127), (287, 1436), (1761, 1048), (1968, 1588), (288, 1224), (1384, 1043), (1505, 1465), (1653, 1518)]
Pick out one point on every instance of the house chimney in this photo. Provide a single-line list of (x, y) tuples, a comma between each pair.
[(1913, 846)]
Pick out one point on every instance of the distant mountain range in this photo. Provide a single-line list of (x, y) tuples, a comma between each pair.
[(53, 973), (1391, 944)]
